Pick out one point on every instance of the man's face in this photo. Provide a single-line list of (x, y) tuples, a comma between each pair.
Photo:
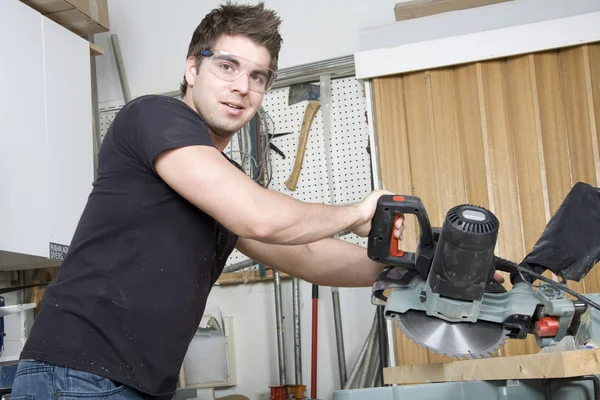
[(225, 104)]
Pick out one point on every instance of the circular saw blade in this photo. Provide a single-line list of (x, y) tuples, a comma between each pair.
[(454, 339)]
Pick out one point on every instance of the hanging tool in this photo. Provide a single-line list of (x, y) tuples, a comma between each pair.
[(444, 296), (298, 93), (272, 145)]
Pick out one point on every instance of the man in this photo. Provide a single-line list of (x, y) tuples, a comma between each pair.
[(165, 212)]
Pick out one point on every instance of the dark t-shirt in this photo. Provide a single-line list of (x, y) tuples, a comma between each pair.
[(132, 289)]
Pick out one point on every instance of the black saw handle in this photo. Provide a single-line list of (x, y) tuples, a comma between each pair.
[(383, 246)]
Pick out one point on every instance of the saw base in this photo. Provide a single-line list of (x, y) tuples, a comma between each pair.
[(531, 389)]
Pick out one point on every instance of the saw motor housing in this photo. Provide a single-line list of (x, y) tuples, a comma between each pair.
[(457, 261)]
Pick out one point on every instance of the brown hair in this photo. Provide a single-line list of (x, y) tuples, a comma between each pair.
[(254, 22)]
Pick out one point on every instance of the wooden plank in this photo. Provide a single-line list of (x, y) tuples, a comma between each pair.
[(591, 69), (423, 8), (553, 128), (471, 136), (423, 160), (592, 285), (501, 159), (395, 173), (247, 276), (529, 159), (392, 144), (446, 149), (579, 133), (96, 50), (532, 366), (504, 200), (593, 61), (577, 115), (421, 141), (390, 134), (529, 150)]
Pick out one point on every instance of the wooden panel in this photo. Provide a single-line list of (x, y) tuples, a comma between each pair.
[(471, 136), (593, 62), (592, 283), (509, 135), (553, 134), (532, 366), (579, 134), (504, 201), (577, 115), (527, 137), (392, 144), (421, 141), (446, 151), (425, 177), (553, 128), (245, 277)]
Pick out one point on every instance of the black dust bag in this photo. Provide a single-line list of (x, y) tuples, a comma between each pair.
[(570, 244)]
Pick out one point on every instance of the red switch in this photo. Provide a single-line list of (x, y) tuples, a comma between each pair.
[(546, 327)]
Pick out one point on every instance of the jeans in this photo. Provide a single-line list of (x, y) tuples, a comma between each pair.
[(36, 380)]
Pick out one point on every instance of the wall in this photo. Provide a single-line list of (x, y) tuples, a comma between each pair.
[(154, 36)]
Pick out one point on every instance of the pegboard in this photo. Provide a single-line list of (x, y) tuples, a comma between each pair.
[(349, 140)]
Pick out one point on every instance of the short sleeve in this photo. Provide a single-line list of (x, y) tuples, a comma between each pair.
[(165, 123)]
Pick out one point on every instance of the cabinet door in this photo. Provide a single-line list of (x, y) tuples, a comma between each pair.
[(69, 130), (23, 226)]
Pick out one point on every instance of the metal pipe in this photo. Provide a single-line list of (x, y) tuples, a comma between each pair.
[(97, 135), (364, 374), (339, 336), (326, 109), (361, 356), (297, 331), (373, 365), (339, 67), (382, 330), (375, 376), (120, 67), (279, 321), (239, 265)]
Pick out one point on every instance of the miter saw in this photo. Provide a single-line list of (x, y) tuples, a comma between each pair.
[(444, 297)]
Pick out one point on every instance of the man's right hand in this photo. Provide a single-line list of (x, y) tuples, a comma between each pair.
[(367, 209)]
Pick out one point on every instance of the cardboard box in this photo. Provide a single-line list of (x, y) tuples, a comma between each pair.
[(88, 18), (423, 8), (51, 6)]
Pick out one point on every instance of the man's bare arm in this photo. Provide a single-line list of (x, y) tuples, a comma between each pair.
[(327, 262), (206, 179)]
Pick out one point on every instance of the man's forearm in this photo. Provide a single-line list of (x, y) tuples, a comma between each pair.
[(288, 221), (327, 262)]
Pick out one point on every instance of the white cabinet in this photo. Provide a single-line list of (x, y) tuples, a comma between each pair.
[(46, 167)]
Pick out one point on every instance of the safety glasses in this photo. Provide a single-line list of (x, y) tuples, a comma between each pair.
[(230, 67)]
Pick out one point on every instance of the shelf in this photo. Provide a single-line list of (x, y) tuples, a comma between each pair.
[(95, 50)]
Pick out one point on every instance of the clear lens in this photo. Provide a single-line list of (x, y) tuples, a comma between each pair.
[(230, 67)]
